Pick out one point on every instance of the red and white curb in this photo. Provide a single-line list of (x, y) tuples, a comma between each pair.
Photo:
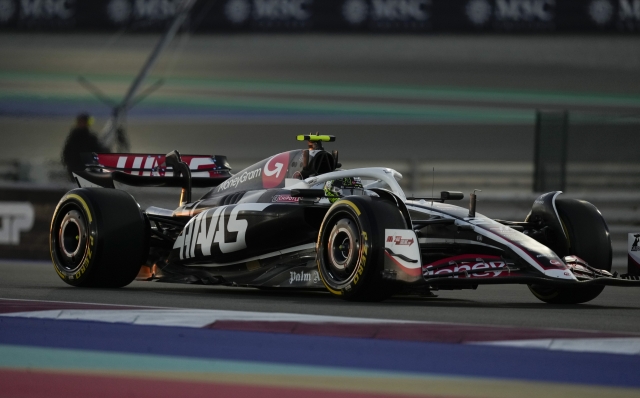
[(332, 326)]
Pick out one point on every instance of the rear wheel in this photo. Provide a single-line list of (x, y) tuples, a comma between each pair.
[(98, 238), (350, 248), (588, 238)]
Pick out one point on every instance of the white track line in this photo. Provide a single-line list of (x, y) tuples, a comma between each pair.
[(188, 318), (608, 345)]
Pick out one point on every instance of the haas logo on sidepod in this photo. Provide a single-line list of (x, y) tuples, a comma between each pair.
[(275, 170)]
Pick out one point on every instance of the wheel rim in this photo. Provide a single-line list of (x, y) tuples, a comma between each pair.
[(72, 239), (343, 249)]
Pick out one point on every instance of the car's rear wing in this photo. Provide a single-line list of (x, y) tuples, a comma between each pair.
[(152, 170)]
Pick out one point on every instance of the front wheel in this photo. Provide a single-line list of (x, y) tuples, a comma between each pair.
[(588, 237), (98, 238), (350, 248)]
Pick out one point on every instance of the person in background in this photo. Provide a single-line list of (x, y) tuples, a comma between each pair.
[(80, 140)]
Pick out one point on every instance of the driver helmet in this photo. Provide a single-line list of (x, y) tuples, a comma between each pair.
[(314, 147), (336, 189)]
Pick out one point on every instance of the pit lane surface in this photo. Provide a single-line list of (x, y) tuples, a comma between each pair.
[(616, 309)]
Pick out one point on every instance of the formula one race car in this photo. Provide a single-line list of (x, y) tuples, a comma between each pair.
[(297, 220)]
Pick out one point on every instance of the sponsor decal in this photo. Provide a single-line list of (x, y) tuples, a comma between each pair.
[(119, 11), (363, 258), (237, 11), (525, 10), (240, 179), (633, 253), (85, 262), (400, 252), (512, 14), (355, 12), (400, 10), (478, 11), (49, 9), (408, 14), (634, 244), (151, 165), (269, 13), (493, 265), (629, 14), (398, 240), (275, 170), (216, 229), (555, 262), (155, 9), (302, 276), (201, 163), (601, 11), (285, 199), (281, 9), (16, 218), (122, 11)]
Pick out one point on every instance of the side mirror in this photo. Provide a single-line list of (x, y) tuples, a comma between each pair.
[(451, 195)]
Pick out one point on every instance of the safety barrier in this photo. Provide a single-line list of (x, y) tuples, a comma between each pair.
[(25, 216)]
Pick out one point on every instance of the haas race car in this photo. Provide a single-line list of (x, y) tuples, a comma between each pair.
[(298, 220)]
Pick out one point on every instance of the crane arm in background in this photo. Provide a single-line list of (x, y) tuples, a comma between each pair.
[(113, 132)]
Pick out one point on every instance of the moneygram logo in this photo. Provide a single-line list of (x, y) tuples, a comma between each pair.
[(275, 170)]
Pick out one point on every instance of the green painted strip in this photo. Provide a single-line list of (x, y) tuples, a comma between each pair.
[(24, 357), (361, 90), (315, 107)]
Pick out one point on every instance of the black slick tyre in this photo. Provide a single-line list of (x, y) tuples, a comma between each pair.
[(98, 238), (588, 238), (350, 248)]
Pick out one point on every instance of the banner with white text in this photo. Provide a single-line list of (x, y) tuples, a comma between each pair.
[(411, 16)]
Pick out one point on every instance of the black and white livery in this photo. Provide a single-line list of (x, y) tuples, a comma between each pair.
[(275, 225)]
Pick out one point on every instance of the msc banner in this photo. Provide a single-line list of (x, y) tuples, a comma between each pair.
[(327, 15), (25, 215)]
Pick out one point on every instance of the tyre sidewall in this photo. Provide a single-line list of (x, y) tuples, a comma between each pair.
[(588, 238), (372, 215), (76, 200), (119, 231), (367, 252)]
